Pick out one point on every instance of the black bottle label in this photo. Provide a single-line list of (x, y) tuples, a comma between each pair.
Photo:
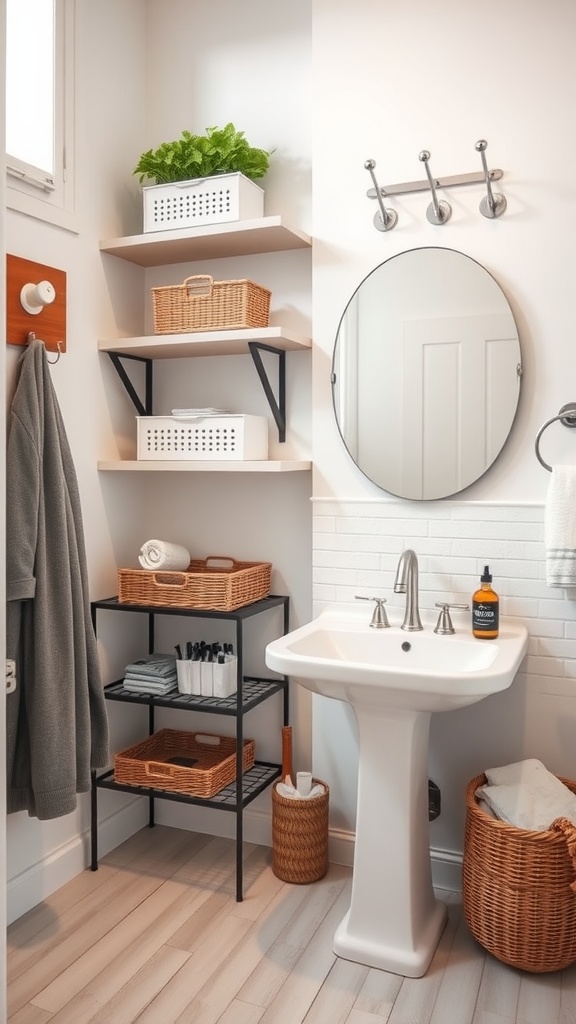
[(485, 616)]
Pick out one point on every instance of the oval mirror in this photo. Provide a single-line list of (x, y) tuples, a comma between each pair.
[(426, 373)]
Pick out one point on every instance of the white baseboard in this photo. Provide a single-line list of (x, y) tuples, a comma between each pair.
[(446, 869), (37, 882), (29, 888), (257, 828)]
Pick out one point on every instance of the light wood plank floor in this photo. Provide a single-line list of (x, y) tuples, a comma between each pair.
[(156, 936)]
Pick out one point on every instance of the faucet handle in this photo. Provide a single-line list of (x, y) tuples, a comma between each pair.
[(444, 625), (379, 617)]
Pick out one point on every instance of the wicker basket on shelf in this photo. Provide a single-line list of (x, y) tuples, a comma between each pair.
[(199, 764), (300, 837), (202, 304), (215, 587), (519, 888)]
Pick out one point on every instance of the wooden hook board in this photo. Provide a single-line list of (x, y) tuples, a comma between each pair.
[(49, 325)]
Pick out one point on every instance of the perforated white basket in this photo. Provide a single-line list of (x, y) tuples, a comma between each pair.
[(214, 200), (227, 437)]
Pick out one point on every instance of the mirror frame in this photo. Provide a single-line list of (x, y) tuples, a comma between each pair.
[(333, 376)]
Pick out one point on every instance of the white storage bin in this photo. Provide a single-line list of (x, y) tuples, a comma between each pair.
[(227, 437), (200, 201)]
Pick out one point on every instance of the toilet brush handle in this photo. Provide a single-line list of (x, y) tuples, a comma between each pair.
[(287, 753)]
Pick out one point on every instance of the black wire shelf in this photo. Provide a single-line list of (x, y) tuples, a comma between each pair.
[(255, 690), (254, 782)]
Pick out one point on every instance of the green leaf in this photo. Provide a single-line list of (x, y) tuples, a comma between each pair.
[(218, 151)]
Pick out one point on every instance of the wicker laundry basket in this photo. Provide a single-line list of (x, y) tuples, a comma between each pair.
[(519, 888), (300, 837)]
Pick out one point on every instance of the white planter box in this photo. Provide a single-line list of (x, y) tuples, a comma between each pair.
[(202, 201), (228, 437)]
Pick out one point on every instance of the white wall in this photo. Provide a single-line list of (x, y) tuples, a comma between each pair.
[(249, 64), (110, 131), (389, 81), (144, 73)]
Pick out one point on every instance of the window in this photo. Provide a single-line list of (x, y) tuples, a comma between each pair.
[(39, 108)]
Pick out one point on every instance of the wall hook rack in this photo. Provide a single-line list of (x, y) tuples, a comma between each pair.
[(32, 337), (493, 204)]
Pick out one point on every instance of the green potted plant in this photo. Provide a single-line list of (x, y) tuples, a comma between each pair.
[(202, 179), (219, 151)]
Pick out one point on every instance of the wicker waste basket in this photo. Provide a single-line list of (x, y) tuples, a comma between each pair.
[(519, 888), (300, 837)]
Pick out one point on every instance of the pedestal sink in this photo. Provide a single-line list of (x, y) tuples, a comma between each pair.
[(394, 680)]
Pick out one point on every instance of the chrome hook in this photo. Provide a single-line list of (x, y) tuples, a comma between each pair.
[(384, 220), (32, 337), (439, 212), (493, 204)]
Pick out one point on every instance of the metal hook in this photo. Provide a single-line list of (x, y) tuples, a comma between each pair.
[(32, 337), (54, 361), (384, 219), (493, 204), (439, 212)]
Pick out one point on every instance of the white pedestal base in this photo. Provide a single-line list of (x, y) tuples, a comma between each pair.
[(394, 921)]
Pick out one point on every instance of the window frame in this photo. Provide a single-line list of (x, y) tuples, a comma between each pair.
[(30, 190)]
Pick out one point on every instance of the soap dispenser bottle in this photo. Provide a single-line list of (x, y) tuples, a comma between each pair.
[(485, 609)]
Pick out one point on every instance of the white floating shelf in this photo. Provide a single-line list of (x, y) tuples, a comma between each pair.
[(239, 238), (204, 343), (263, 466)]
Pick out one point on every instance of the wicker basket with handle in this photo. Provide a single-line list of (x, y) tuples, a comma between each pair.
[(204, 584), (202, 304), (519, 888), (199, 764)]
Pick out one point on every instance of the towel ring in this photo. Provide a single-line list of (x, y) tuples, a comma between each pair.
[(567, 416)]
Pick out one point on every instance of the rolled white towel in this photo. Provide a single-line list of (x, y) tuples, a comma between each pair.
[(161, 554), (289, 792)]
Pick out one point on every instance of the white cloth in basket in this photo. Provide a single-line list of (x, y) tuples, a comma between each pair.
[(525, 794), (161, 554)]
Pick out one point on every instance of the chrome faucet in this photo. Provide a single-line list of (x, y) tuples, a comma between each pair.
[(406, 582)]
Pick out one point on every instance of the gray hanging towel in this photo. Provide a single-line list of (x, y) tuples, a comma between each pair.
[(57, 728)]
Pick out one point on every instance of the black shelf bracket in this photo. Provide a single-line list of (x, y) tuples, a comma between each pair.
[(142, 408), (278, 407)]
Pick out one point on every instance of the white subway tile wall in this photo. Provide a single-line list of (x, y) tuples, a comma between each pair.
[(356, 545)]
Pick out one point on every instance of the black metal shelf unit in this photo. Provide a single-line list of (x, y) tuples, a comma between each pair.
[(251, 691)]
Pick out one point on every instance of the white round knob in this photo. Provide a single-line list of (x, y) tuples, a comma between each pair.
[(33, 297)]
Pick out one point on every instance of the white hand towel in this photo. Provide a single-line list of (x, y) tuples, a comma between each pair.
[(560, 528), (525, 794), (161, 554)]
